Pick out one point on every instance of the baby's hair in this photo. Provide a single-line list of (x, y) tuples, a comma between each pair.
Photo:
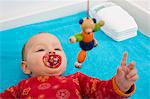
[(23, 48), (23, 52)]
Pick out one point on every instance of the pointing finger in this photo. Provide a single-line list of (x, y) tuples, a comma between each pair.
[(124, 59)]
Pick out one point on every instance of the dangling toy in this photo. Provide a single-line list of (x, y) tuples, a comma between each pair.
[(86, 38)]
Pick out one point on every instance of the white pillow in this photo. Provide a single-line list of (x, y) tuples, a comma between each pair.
[(116, 19), (119, 25)]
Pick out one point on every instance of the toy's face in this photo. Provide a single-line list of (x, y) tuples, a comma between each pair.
[(45, 56), (88, 25)]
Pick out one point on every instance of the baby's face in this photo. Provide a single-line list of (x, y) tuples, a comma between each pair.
[(44, 55)]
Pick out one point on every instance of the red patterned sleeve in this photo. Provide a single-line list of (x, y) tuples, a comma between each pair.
[(100, 89), (12, 92)]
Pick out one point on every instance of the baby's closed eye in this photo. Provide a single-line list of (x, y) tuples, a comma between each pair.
[(40, 50), (57, 49)]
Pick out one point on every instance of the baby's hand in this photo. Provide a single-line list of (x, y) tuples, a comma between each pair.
[(126, 75)]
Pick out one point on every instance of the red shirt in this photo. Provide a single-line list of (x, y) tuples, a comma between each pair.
[(75, 86)]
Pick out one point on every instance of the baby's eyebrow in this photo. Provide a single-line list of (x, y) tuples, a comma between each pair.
[(35, 45), (56, 43)]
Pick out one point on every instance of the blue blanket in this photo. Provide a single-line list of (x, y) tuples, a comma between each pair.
[(101, 62)]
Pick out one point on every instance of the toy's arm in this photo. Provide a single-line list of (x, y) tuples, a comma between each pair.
[(93, 87), (98, 25), (76, 38)]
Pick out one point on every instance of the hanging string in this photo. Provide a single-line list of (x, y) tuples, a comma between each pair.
[(87, 8)]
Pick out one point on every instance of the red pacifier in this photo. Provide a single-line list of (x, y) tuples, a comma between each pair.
[(52, 60)]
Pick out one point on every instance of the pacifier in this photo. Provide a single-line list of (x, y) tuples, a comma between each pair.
[(52, 60)]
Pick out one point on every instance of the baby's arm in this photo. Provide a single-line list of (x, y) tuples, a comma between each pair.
[(126, 74), (99, 89), (9, 93), (12, 92), (120, 86)]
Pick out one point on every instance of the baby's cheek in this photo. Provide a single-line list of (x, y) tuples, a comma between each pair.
[(35, 65), (64, 60), (35, 60)]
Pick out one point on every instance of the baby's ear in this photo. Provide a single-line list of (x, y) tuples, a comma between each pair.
[(25, 68)]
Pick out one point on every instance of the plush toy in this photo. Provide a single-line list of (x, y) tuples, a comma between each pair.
[(86, 37)]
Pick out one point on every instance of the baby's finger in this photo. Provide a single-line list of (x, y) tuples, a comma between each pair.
[(134, 78), (124, 59), (120, 73), (131, 73), (131, 65)]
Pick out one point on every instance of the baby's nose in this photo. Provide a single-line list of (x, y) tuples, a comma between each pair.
[(52, 52)]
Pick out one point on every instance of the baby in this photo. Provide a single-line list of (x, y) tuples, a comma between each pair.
[(44, 60)]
